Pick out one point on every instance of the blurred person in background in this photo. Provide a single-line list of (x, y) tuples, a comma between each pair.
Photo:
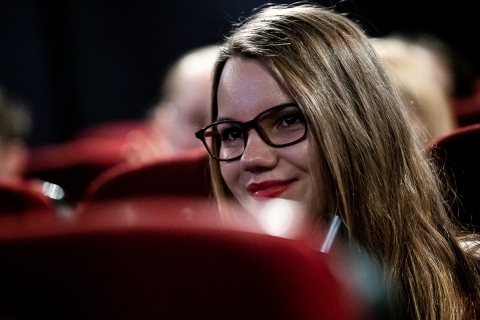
[(424, 81), (167, 130), (15, 124), (18, 192), (454, 71), (182, 109), (457, 75)]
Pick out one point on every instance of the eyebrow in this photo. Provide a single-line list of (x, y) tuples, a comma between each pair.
[(232, 119), (224, 119)]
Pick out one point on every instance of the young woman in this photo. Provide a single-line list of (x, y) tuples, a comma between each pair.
[(303, 110)]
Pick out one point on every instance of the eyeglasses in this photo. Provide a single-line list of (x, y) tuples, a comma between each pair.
[(279, 127)]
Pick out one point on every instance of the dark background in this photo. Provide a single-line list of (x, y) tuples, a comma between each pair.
[(80, 63)]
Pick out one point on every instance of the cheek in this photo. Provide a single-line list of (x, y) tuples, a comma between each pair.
[(306, 160), (299, 156), (231, 172)]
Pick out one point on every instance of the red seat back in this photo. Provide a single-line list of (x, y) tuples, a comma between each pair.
[(149, 263), (20, 196), (467, 109), (74, 164), (458, 156), (184, 174), (112, 130)]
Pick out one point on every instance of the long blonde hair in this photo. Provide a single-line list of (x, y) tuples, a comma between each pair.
[(379, 180)]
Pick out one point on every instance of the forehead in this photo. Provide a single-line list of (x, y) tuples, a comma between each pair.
[(248, 87)]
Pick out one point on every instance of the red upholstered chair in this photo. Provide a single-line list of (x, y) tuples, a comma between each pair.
[(467, 109), (185, 173), (21, 196), (112, 130), (153, 264), (74, 164), (458, 156)]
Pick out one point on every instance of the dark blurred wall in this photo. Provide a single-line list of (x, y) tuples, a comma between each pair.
[(83, 62)]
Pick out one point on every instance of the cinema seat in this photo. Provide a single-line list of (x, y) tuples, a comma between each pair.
[(183, 174), (119, 129), (467, 109), (75, 163), (458, 157), (150, 264), (18, 196)]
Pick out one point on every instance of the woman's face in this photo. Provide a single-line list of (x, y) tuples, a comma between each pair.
[(246, 88)]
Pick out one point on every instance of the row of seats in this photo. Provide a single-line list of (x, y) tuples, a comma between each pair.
[(148, 241), (171, 257), (74, 164)]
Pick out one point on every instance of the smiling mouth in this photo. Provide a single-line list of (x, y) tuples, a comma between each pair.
[(269, 189)]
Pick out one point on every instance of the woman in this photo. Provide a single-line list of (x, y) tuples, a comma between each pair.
[(304, 111)]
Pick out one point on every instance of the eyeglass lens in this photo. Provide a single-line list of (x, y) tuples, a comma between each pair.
[(278, 127)]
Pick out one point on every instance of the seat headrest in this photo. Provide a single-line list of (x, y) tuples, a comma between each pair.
[(458, 157), (20, 196), (184, 173)]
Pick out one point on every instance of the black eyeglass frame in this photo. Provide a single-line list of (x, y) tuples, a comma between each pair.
[(245, 126)]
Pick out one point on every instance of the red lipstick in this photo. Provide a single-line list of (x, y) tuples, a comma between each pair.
[(269, 189)]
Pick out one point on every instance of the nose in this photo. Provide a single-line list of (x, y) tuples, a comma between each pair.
[(258, 155)]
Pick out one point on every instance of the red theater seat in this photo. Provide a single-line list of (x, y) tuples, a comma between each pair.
[(458, 156), (112, 130), (21, 196), (467, 109), (182, 174), (151, 264), (74, 164)]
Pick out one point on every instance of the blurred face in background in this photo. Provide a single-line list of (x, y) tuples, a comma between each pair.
[(184, 108), (188, 107)]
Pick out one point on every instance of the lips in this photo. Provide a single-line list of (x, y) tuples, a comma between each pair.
[(269, 189)]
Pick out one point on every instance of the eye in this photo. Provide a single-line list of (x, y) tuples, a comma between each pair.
[(291, 119), (231, 134)]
